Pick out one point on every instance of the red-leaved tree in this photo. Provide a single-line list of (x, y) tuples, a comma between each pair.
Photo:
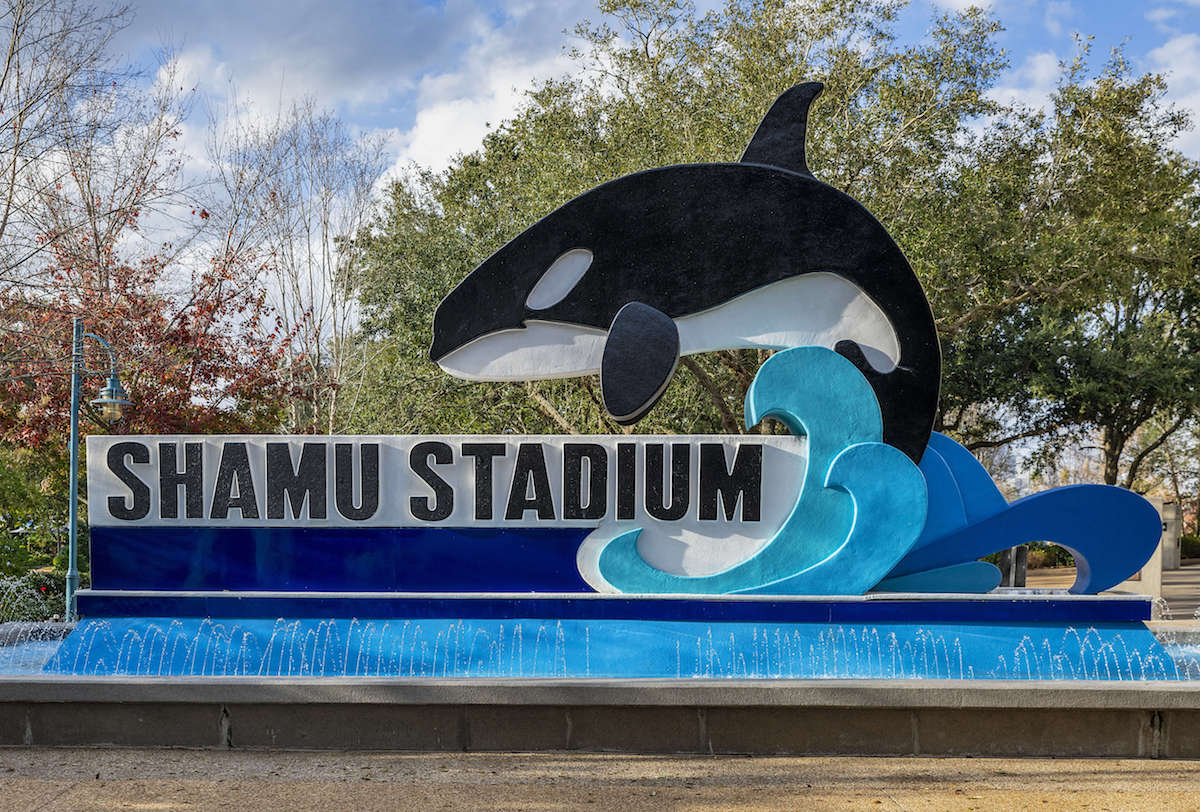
[(206, 358)]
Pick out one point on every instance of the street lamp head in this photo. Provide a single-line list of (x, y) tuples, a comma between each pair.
[(112, 401)]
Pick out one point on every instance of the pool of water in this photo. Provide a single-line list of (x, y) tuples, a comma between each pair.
[(1186, 659), (27, 656), (474, 648)]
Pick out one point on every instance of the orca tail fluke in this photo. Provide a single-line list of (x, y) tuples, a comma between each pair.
[(779, 139)]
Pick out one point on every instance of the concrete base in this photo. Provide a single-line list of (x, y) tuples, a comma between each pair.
[(861, 717)]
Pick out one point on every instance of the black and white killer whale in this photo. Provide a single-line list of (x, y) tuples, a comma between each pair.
[(627, 277)]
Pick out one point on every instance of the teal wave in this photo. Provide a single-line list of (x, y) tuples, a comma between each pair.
[(859, 509)]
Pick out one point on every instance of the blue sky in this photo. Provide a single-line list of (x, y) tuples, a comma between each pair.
[(430, 75)]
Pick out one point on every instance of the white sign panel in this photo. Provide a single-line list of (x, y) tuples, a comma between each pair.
[(707, 500)]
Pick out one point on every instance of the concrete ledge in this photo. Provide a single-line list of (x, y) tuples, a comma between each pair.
[(829, 693), (1148, 720)]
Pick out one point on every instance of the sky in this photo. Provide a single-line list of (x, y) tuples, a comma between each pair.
[(430, 76)]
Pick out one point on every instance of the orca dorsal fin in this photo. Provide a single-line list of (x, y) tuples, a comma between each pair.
[(640, 355), (779, 139)]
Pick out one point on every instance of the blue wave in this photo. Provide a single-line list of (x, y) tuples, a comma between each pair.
[(1111, 532)]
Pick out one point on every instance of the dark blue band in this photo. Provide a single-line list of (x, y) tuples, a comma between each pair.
[(332, 559), (1013, 610)]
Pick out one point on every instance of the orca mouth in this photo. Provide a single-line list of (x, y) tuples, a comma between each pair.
[(537, 351)]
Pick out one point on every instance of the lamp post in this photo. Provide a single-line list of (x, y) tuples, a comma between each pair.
[(111, 406)]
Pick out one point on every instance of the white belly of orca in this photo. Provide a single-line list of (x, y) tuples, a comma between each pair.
[(816, 309)]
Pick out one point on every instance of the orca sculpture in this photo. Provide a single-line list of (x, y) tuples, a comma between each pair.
[(627, 277)]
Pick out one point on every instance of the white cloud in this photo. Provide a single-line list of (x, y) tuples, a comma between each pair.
[(428, 74), (1032, 83), (346, 54), (455, 109), (1179, 58), (1160, 16), (1057, 13)]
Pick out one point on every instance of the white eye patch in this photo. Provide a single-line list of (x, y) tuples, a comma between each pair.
[(559, 279)]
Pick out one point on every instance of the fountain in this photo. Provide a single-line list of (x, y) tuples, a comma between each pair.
[(630, 565), (848, 548), (572, 649)]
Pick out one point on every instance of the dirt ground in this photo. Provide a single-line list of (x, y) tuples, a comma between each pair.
[(331, 781)]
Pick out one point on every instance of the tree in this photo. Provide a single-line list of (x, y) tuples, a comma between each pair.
[(296, 189), (1124, 349), (199, 346), (1169, 463), (32, 519), (94, 170), (660, 84), (210, 362), (85, 151)]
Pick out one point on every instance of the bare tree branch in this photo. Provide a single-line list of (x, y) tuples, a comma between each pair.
[(1140, 457), (548, 407), (728, 421), (299, 190)]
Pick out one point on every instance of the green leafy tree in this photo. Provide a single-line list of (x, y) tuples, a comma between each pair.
[(1120, 349), (33, 508), (658, 84), (1170, 464)]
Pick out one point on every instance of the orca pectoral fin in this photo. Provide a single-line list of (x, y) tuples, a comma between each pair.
[(640, 355)]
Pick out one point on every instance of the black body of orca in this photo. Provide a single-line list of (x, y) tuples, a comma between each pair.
[(625, 278)]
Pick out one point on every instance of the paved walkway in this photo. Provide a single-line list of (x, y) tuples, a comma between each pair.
[(1181, 587), (175, 779)]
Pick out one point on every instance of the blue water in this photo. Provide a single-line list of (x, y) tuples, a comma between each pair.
[(465, 648), (1187, 660), (27, 656)]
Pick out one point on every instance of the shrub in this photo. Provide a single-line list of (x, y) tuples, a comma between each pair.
[(1040, 555), (1189, 546), (16, 557)]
